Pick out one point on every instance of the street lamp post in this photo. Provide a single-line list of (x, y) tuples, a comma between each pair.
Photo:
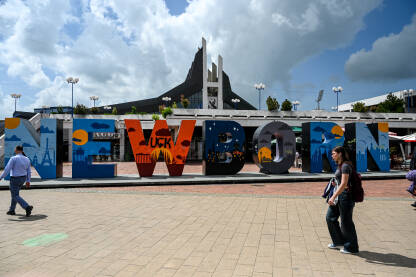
[(15, 96), (94, 98), (337, 90), (72, 81), (235, 101), (295, 105), (166, 99), (259, 88)]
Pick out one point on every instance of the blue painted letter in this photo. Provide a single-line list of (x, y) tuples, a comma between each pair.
[(83, 148), (318, 139), (363, 139), (40, 149), (224, 147)]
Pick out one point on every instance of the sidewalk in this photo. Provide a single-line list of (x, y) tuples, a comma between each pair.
[(103, 232)]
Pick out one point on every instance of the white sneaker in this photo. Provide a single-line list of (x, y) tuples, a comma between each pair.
[(332, 246), (346, 251)]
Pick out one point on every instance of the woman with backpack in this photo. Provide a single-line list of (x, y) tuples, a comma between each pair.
[(341, 204)]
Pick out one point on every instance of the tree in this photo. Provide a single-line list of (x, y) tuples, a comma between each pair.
[(392, 104), (80, 109), (359, 107), (174, 105), (114, 112), (166, 111), (272, 104), (133, 110), (287, 105), (94, 110)]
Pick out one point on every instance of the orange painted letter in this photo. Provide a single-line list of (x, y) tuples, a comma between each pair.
[(160, 142)]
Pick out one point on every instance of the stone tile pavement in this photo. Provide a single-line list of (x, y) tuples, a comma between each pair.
[(136, 233)]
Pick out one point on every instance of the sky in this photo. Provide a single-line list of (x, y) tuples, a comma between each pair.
[(129, 50)]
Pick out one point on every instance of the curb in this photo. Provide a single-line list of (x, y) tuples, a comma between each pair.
[(196, 179)]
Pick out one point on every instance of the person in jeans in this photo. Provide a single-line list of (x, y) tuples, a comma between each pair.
[(19, 169), (345, 235)]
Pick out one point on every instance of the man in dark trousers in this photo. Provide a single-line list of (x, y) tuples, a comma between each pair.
[(19, 169)]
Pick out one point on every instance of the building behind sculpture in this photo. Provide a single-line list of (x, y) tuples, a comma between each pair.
[(409, 97)]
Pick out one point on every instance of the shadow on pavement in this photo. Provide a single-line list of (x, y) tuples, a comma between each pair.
[(388, 259), (34, 217)]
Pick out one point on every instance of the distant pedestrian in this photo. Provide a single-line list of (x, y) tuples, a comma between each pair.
[(413, 160), (297, 159), (19, 169), (341, 204)]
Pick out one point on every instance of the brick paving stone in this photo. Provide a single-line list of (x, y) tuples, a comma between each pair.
[(134, 233)]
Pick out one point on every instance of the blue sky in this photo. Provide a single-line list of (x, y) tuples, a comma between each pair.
[(131, 50), (328, 66)]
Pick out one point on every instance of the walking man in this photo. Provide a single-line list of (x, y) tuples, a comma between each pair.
[(19, 169)]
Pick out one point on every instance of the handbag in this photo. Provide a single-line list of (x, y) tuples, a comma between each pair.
[(330, 189)]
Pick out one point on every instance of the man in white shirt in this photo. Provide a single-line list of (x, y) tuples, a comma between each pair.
[(19, 169)]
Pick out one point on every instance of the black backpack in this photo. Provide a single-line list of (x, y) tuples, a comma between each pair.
[(356, 187)]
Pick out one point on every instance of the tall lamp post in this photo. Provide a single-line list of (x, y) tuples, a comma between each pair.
[(295, 105), (259, 88), (94, 98), (337, 90), (235, 101), (72, 81), (15, 96), (167, 100)]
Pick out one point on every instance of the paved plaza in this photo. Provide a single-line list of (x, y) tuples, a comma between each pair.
[(207, 230)]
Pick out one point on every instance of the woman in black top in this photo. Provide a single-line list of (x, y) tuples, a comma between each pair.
[(346, 235)]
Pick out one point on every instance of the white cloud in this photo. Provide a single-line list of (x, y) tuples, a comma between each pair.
[(390, 59), (129, 50), (6, 104)]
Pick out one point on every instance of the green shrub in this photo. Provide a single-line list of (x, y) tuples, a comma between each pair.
[(359, 107), (166, 111), (272, 104), (80, 109), (155, 117), (184, 101), (286, 105), (95, 110), (393, 104)]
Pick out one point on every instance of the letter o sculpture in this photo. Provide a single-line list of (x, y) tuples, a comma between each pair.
[(285, 147)]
